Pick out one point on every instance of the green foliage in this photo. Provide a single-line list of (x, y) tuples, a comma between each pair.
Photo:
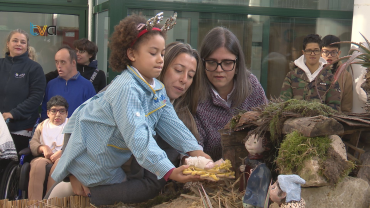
[(297, 148)]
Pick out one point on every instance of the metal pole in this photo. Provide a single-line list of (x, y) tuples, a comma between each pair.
[(89, 20)]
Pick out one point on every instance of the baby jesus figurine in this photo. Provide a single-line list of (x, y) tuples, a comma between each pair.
[(286, 191), (255, 146)]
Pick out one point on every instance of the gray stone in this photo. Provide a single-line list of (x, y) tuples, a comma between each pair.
[(338, 146), (350, 193), (310, 173), (364, 171)]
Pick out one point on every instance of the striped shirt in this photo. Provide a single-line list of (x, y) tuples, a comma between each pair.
[(111, 126)]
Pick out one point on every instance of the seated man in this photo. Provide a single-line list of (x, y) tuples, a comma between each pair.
[(47, 140), (331, 53), (69, 84), (307, 81)]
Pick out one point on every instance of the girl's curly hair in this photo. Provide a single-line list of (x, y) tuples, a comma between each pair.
[(123, 36)]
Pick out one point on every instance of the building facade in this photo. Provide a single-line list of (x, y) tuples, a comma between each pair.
[(270, 31)]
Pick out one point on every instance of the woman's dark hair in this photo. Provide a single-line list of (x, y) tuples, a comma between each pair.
[(312, 38), (221, 37), (329, 39), (57, 101), (88, 46), (125, 33), (186, 105)]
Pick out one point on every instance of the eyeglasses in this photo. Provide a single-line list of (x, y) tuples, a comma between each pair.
[(80, 51), (55, 111), (226, 65), (309, 52), (331, 53)]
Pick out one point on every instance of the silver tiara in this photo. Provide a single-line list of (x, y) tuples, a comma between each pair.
[(169, 24)]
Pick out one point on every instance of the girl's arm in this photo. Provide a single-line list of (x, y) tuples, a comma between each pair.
[(174, 132)]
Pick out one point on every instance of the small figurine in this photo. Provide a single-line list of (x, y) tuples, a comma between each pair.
[(257, 187), (255, 146), (286, 191)]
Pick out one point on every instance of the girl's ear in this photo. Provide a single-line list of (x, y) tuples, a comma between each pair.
[(130, 54)]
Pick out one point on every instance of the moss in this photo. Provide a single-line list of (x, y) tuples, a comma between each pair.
[(276, 112), (335, 168), (297, 148)]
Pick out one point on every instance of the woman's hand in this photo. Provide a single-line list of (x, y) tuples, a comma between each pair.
[(7, 115), (78, 188), (196, 153), (178, 176), (43, 149), (56, 156)]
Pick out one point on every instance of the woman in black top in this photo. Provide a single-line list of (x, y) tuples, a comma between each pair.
[(22, 86)]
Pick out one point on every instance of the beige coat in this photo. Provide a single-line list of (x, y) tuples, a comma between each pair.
[(346, 86), (35, 142)]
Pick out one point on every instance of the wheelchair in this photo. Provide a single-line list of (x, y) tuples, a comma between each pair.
[(15, 177)]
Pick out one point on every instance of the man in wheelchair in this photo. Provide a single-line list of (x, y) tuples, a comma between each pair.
[(47, 141)]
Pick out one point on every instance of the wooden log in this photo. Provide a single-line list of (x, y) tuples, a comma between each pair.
[(233, 148), (313, 126)]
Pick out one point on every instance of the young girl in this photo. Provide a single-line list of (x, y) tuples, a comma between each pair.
[(229, 86), (121, 121)]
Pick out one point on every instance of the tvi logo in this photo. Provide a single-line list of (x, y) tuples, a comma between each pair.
[(45, 30)]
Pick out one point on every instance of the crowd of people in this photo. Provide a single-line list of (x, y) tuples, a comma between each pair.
[(111, 142)]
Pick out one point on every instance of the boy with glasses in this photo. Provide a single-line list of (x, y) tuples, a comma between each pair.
[(307, 81), (331, 53), (47, 141)]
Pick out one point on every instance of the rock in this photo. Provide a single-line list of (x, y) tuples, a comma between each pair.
[(351, 192), (338, 146), (310, 173), (364, 171)]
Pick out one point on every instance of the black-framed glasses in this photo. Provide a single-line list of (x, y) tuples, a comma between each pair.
[(226, 65), (332, 53), (80, 51), (309, 52), (55, 111)]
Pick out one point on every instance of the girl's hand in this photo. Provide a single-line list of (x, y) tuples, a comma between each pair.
[(78, 188), (196, 153), (56, 156), (46, 151), (7, 115), (178, 176)]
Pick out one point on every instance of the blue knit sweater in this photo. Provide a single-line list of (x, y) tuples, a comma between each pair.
[(76, 91)]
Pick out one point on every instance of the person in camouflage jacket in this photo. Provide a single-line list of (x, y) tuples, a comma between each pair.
[(297, 86), (308, 80)]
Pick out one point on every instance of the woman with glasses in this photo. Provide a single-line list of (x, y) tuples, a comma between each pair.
[(228, 86), (87, 65), (48, 141), (307, 81)]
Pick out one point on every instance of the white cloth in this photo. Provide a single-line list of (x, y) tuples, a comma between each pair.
[(301, 63), (7, 147), (199, 162), (52, 135)]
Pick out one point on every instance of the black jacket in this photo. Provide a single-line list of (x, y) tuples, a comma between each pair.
[(22, 87), (100, 80)]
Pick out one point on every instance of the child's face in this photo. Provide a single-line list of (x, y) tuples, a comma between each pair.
[(254, 145), (148, 57), (57, 115)]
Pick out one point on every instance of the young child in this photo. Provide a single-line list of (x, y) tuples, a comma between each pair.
[(121, 121), (47, 140)]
